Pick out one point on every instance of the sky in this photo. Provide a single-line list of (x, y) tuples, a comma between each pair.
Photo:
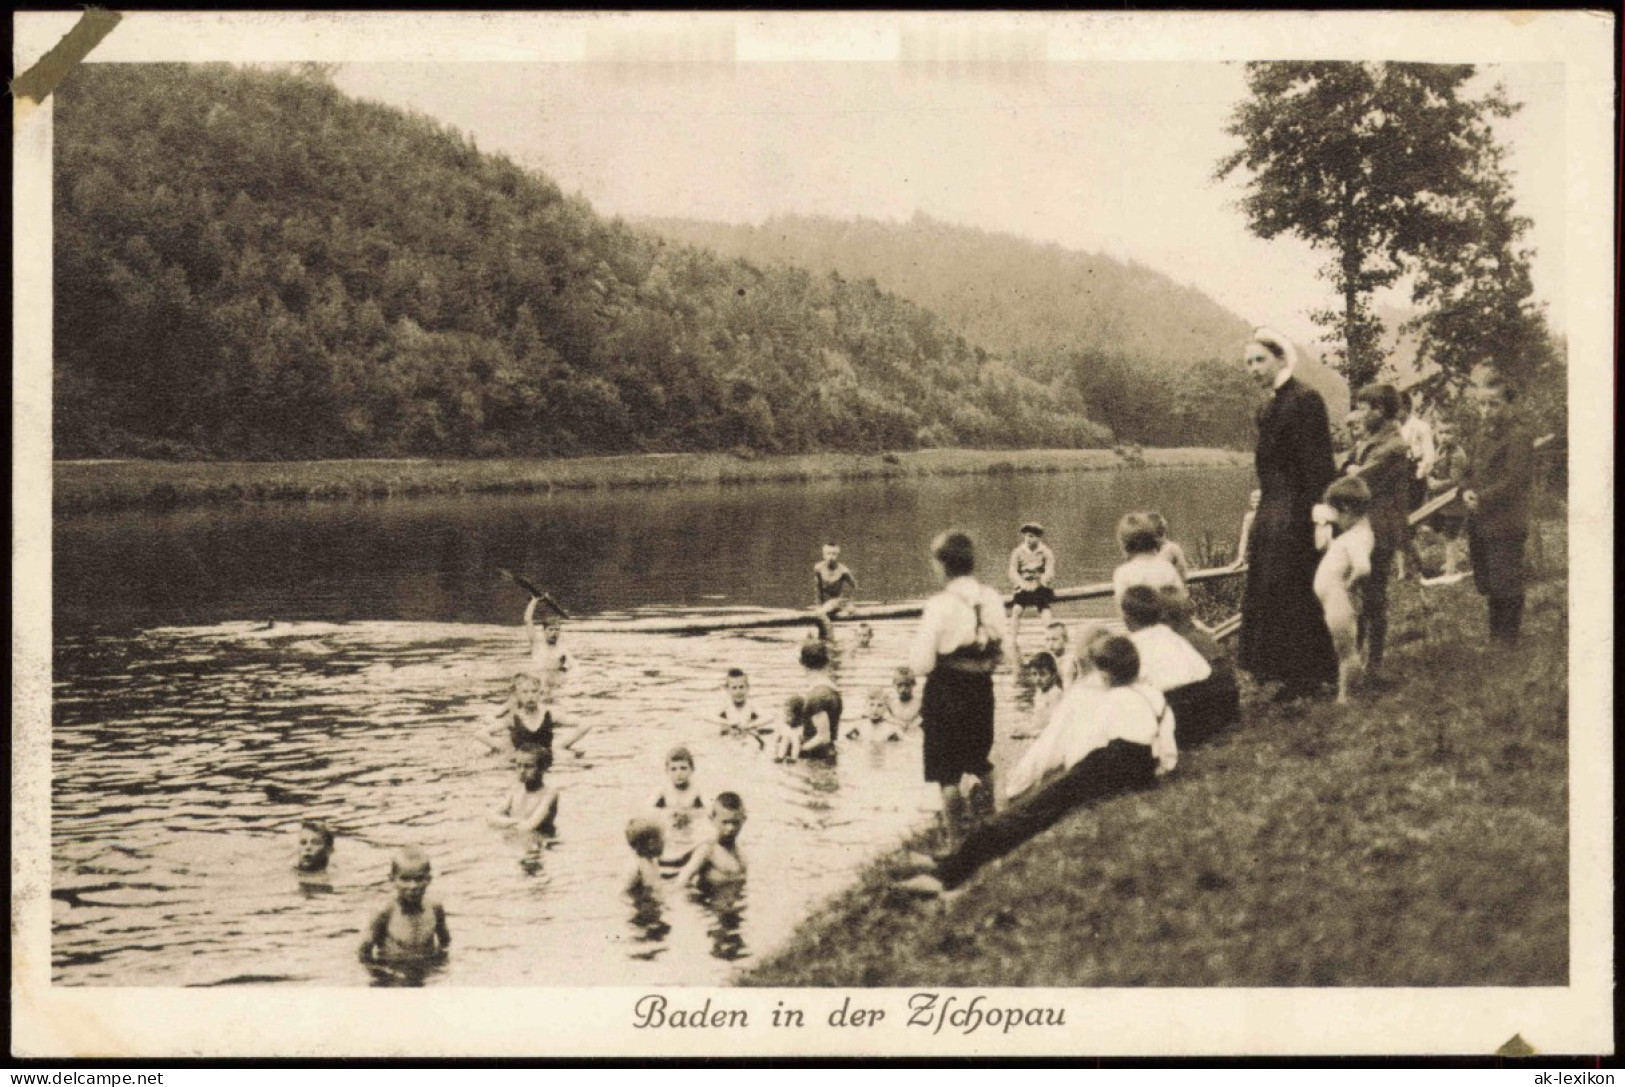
[(1115, 157)]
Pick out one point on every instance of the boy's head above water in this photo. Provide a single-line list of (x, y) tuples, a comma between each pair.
[(646, 838), (528, 688), (814, 654), (727, 816), (679, 766), (737, 685), (315, 845), (409, 874), (550, 631), (903, 680)]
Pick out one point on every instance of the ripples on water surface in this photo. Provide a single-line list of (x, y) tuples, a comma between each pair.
[(184, 756)]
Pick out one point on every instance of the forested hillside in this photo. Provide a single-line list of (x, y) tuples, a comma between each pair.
[(1154, 360), (249, 264)]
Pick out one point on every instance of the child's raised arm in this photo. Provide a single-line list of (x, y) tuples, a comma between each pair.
[(530, 622)]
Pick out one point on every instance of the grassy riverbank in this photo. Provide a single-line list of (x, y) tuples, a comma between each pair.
[(1417, 838), (85, 486)]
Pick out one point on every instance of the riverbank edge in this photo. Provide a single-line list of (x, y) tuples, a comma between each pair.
[(100, 486), (1449, 782)]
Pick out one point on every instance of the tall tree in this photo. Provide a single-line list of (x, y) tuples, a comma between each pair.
[(1475, 291), (1371, 161)]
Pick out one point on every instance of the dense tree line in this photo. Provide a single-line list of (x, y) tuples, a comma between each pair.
[(249, 264), (1152, 359)]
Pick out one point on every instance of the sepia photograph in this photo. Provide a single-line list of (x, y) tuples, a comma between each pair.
[(725, 534)]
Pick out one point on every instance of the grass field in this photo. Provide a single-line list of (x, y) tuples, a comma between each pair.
[(1416, 838), (86, 486)]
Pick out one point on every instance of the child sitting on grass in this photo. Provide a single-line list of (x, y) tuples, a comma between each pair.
[(718, 861), (530, 804), (1346, 562), (817, 710), (1144, 565), (412, 928), (1123, 740), (528, 720)]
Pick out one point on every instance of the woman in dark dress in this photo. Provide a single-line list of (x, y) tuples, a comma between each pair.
[(1283, 634)]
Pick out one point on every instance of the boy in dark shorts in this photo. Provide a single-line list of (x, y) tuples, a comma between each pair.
[(412, 928), (834, 586), (1032, 569)]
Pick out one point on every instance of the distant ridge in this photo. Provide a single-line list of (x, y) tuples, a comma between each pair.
[(1004, 293)]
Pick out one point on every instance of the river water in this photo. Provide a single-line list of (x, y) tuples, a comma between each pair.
[(220, 675)]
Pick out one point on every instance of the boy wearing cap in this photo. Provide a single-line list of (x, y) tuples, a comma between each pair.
[(1032, 568)]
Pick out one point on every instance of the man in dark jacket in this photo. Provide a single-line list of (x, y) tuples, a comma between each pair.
[(1495, 491), (1283, 633)]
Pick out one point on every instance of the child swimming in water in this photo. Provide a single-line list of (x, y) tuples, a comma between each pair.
[(787, 740), (530, 804), (866, 635), (737, 715), (680, 805), (1057, 643), (412, 928), (648, 842), (315, 847), (718, 860), (528, 720), (546, 656), (1347, 561)]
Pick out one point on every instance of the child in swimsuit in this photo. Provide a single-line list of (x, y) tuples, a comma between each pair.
[(549, 660), (1346, 562), (900, 707), (412, 928), (834, 585), (1144, 565), (680, 805), (530, 804), (648, 841), (529, 721), (718, 861), (1032, 568), (737, 715)]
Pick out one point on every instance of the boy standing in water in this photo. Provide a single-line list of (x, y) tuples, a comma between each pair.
[(737, 715), (528, 720), (718, 860), (530, 804), (412, 928), (680, 804), (1032, 568), (834, 585)]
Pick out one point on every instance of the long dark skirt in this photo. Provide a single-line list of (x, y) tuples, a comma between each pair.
[(1283, 633), (1114, 768), (956, 715)]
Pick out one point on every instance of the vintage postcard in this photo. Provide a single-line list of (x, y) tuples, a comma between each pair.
[(1195, 425)]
